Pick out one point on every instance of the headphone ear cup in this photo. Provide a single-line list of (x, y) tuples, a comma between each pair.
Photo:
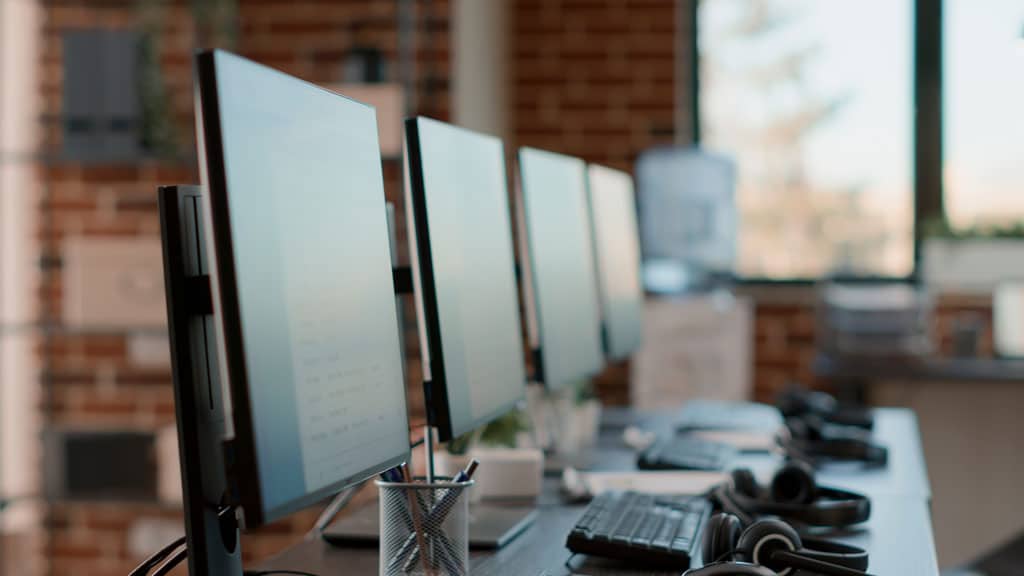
[(806, 427), (744, 483), (794, 483), (720, 537), (763, 537)]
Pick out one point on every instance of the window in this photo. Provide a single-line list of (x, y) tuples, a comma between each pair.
[(813, 100), (983, 112)]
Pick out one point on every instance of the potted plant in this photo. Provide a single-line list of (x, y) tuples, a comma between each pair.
[(510, 467)]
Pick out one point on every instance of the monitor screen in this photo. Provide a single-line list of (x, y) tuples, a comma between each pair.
[(303, 291), (464, 274), (617, 247), (562, 297)]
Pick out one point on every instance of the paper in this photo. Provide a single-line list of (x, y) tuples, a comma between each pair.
[(650, 482)]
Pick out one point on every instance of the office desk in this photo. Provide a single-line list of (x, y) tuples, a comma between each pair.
[(971, 430), (930, 369), (896, 428), (899, 534)]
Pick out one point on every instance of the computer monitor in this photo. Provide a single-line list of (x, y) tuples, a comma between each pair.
[(560, 283), (617, 249), (295, 248), (464, 278)]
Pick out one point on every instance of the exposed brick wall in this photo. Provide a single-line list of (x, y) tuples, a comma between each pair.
[(783, 347), (88, 379), (593, 78), (784, 338)]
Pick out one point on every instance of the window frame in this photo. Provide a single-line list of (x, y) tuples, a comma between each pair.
[(927, 132)]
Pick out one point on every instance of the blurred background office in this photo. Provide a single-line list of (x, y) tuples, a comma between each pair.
[(801, 165)]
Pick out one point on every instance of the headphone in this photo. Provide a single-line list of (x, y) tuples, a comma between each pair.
[(796, 401), (812, 439), (772, 548), (793, 495)]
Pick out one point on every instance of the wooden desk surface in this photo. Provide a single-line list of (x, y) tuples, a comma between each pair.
[(898, 536)]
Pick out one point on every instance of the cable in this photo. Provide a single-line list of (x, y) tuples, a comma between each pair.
[(156, 558), (182, 542), (169, 565)]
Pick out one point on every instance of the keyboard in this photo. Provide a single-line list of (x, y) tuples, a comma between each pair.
[(685, 453), (648, 529)]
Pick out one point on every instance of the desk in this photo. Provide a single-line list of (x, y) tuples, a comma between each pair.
[(973, 436), (906, 474), (972, 432), (931, 369), (899, 534)]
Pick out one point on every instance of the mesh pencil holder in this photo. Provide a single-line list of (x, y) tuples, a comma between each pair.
[(420, 517)]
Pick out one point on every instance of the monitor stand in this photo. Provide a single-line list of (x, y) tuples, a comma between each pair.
[(211, 529), (491, 526)]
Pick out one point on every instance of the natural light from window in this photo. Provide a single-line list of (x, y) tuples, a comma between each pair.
[(813, 100), (983, 102)]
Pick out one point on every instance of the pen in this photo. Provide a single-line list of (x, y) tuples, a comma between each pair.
[(418, 526), (440, 511), (465, 475), (391, 475)]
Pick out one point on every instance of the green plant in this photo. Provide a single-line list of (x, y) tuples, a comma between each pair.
[(461, 444), (584, 392), (500, 432), (939, 227), (158, 133), (504, 430), (216, 23)]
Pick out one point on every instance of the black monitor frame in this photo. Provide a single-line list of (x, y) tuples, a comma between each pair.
[(246, 491), (532, 307), (211, 534), (599, 268), (435, 389)]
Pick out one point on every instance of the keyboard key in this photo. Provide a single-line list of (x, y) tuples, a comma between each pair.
[(640, 528)]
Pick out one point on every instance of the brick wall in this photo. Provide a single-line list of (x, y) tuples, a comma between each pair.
[(88, 378), (595, 79), (785, 330)]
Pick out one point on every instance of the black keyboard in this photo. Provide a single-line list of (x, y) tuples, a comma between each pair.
[(685, 453), (645, 529)]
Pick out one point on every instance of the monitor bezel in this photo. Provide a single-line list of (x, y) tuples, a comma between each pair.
[(425, 289), (535, 320), (599, 264), (241, 456)]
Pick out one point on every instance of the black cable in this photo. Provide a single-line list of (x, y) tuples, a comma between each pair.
[(170, 564), (156, 558), (149, 563)]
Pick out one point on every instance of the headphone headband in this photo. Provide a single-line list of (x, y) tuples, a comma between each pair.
[(775, 545), (833, 507), (835, 553), (850, 449)]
